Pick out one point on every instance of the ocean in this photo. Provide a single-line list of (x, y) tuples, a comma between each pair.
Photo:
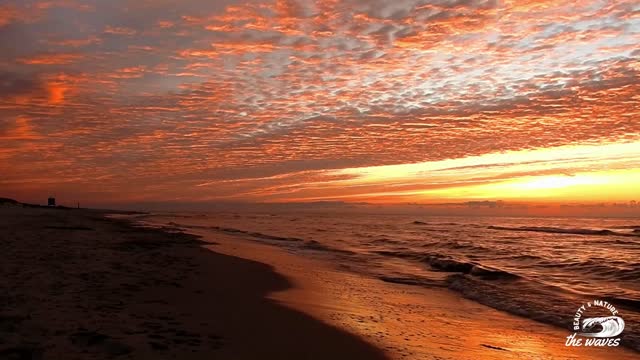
[(539, 268)]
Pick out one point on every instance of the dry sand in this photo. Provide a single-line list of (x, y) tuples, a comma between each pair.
[(78, 286)]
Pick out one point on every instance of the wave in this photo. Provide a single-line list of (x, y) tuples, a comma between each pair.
[(525, 257), (469, 247), (633, 242), (554, 230), (263, 236), (444, 263), (411, 280), (309, 245), (492, 274), (399, 254), (538, 302), (629, 303), (448, 264), (384, 241), (513, 293), (595, 268), (314, 245), (234, 231), (418, 222), (497, 270), (521, 297)]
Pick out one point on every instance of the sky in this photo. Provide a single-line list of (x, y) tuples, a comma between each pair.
[(404, 101)]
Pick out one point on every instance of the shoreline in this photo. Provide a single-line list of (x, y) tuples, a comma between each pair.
[(80, 285), (83, 284), (407, 321)]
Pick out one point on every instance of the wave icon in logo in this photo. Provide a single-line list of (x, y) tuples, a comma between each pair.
[(602, 327), (597, 330)]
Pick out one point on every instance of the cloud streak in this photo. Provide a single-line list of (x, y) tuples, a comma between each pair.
[(156, 99)]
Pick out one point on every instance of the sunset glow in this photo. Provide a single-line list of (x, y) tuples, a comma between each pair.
[(587, 173), (393, 179), (361, 100)]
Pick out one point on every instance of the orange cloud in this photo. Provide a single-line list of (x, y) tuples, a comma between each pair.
[(58, 86), (118, 30), (8, 15), (293, 100), (51, 59), (20, 128)]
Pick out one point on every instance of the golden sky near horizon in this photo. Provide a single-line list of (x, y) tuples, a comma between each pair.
[(290, 100)]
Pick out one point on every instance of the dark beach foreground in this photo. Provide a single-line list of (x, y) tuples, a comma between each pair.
[(76, 285)]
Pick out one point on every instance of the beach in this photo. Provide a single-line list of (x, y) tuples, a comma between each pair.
[(79, 285), (311, 180), (406, 321)]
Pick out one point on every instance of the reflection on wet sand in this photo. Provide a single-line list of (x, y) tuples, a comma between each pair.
[(410, 322)]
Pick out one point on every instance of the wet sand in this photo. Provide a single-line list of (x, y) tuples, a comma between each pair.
[(78, 286), (75, 285), (409, 322)]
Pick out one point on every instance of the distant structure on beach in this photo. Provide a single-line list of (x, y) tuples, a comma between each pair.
[(51, 201)]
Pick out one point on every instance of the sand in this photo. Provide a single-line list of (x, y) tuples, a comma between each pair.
[(408, 322), (78, 286)]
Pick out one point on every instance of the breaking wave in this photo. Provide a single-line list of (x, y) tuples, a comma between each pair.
[(513, 268), (554, 230)]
